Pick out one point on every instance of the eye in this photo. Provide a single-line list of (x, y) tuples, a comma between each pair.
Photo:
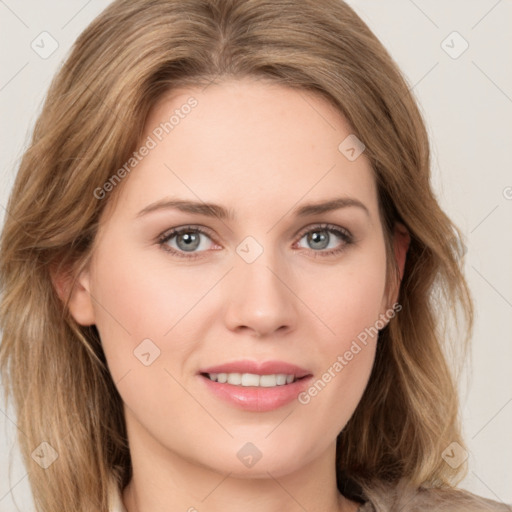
[(184, 242), (320, 238)]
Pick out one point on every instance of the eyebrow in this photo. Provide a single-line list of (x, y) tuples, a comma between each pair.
[(218, 211)]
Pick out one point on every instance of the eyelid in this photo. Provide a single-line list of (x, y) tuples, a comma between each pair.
[(324, 225), (190, 227)]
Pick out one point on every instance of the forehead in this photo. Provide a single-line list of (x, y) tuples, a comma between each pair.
[(253, 146)]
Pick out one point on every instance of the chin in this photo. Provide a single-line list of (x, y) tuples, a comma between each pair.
[(253, 460)]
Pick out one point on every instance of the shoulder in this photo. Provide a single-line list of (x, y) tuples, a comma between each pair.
[(423, 499)]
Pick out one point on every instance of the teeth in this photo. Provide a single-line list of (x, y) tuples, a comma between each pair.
[(235, 379), (268, 381), (251, 379)]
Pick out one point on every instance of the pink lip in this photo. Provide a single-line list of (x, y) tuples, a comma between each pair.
[(261, 368), (252, 398)]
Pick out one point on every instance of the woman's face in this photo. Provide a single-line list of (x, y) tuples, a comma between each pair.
[(276, 298)]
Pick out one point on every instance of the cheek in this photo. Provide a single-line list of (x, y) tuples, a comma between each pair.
[(145, 317), (349, 305), (147, 283), (349, 299), (136, 299)]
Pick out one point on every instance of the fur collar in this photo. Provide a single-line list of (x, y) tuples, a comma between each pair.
[(403, 498)]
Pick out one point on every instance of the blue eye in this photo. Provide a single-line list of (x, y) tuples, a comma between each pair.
[(187, 240)]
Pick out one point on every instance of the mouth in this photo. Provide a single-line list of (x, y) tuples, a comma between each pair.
[(253, 379), (256, 387)]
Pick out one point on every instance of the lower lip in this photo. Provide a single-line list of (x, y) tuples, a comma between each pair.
[(257, 399)]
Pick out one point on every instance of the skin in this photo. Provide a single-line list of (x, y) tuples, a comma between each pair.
[(261, 150)]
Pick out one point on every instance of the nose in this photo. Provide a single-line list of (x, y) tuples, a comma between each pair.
[(261, 300)]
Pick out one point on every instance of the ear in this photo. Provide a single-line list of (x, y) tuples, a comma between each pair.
[(401, 242), (74, 293)]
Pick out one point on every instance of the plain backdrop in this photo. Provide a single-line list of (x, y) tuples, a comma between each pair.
[(456, 56)]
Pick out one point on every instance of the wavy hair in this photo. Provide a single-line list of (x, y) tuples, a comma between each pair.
[(90, 124)]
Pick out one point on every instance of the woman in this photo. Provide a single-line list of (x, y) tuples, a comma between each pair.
[(223, 268)]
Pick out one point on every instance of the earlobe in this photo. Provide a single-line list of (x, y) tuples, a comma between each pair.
[(75, 293)]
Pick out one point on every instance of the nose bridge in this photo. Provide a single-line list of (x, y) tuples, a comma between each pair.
[(260, 299)]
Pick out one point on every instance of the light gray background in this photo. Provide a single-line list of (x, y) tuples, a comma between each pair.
[(467, 104)]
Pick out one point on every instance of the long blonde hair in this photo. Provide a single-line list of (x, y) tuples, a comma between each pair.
[(91, 123)]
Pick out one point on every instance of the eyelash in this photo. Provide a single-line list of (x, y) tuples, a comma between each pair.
[(331, 228)]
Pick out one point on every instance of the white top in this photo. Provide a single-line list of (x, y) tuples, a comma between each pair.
[(116, 504)]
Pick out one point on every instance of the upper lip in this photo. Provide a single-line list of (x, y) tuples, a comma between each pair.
[(258, 368)]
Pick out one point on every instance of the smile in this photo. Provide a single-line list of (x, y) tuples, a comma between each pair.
[(255, 386)]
